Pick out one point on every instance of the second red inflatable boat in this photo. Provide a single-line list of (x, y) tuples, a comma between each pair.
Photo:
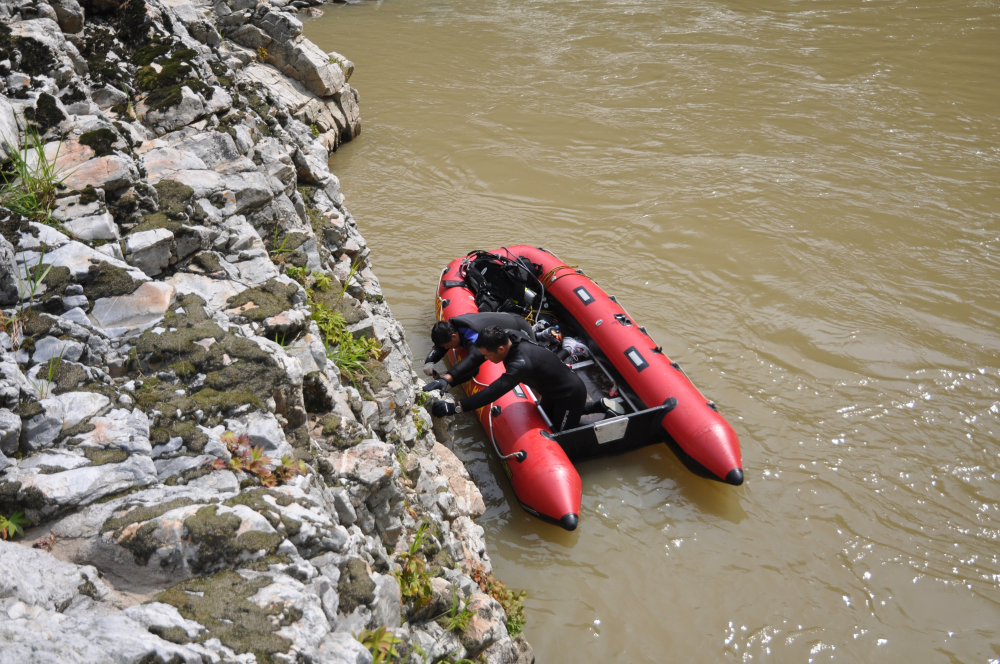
[(615, 357)]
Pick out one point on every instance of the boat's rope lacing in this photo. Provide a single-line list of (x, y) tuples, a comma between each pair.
[(552, 275)]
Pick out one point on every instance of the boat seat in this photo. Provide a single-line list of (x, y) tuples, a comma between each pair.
[(616, 435)]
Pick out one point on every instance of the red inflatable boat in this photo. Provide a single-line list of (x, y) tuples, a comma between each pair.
[(660, 403)]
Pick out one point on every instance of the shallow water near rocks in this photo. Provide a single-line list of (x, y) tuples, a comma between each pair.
[(800, 202)]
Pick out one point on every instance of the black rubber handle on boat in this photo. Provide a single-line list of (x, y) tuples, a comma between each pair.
[(519, 456)]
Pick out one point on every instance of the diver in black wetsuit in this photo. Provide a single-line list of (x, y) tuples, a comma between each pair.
[(562, 393), (464, 331)]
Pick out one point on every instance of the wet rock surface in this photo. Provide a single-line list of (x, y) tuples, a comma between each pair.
[(203, 475)]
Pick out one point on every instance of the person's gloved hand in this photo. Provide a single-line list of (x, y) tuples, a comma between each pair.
[(442, 408), (439, 384), (429, 368)]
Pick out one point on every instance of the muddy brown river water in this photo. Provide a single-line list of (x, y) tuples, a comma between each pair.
[(801, 202)]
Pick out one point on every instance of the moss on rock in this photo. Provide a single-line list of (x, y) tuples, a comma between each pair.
[(355, 587), (217, 542), (99, 457), (57, 279), (106, 280), (264, 302), (142, 544), (208, 261), (157, 220), (213, 533), (155, 395), (12, 227), (68, 377), (220, 603), (100, 141), (169, 72), (36, 325), (174, 196), (331, 423), (179, 343), (143, 513)]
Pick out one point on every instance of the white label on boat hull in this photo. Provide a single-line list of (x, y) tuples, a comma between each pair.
[(611, 430)]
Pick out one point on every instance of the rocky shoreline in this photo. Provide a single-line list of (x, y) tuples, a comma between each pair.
[(210, 431)]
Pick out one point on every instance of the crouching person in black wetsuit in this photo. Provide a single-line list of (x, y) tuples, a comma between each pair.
[(464, 331), (562, 393)]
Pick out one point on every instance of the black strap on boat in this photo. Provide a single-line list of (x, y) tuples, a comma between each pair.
[(454, 284)]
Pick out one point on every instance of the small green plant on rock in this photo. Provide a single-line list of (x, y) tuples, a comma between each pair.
[(279, 249), (251, 460), (381, 643), (414, 579), (511, 601), (11, 525), (14, 327), (299, 274), (45, 385), (321, 281), (349, 354), (419, 423), (29, 189), (457, 618), (34, 280), (350, 275)]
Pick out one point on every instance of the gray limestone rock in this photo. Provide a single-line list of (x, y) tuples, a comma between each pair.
[(310, 65), (437, 642), (54, 459), (149, 251), (38, 579), (141, 308), (52, 348), (204, 32), (214, 292), (280, 26), (110, 173), (78, 258), (388, 600), (342, 648), (345, 65), (251, 36), (97, 227), (47, 43), (10, 431), (8, 270), (163, 617), (14, 385), (108, 96), (9, 130), (372, 463), (120, 429), (69, 14), (187, 110), (166, 468), (344, 507), (82, 486), (85, 637)]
